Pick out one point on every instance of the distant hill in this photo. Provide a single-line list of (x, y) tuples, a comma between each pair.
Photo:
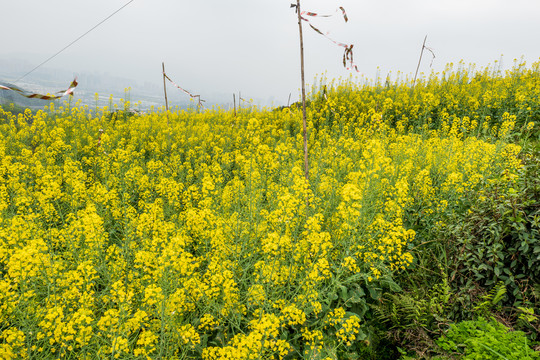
[(12, 97), (50, 80)]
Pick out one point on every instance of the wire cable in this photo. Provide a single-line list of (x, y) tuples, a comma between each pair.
[(73, 42)]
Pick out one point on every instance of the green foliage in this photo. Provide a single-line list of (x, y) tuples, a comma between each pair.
[(528, 321), (491, 300), (483, 339), (412, 319), (499, 240)]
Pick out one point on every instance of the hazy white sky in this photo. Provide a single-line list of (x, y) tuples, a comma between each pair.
[(252, 45)]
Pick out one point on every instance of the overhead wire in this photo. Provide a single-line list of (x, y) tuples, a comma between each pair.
[(74, 41)]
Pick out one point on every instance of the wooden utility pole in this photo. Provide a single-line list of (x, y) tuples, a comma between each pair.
[(165, 87), (306, 164), (234, 103)]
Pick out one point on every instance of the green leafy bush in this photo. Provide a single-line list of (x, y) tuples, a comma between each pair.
[(499, 240), (411, 319), (483, 339)]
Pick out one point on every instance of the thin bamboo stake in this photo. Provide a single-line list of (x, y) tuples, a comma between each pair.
[(165, 87), (419, 60), (306, 164), (167, 108), (304, 121)]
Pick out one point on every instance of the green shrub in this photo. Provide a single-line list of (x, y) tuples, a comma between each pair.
[(499, 241), (483, 339)]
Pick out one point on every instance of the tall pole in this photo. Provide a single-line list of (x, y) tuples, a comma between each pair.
[(306, 164), (165, 88)]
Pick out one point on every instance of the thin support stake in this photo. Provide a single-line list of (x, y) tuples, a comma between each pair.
[(306, 163), (419, 60), (165, 87)]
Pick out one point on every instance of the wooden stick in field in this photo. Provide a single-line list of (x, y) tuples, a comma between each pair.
[(165, 88), (424, 47), (306, 164), (419, 60)]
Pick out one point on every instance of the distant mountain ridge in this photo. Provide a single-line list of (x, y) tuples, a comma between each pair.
[(12, 97), (49, 80)]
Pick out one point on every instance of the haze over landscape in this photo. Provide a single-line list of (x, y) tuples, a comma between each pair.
[(215, 48)]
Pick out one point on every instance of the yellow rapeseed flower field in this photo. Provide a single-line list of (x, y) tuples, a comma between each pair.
[(187, 235)]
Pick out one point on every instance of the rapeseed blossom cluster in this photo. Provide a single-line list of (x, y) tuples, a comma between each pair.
[(188, 235)]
